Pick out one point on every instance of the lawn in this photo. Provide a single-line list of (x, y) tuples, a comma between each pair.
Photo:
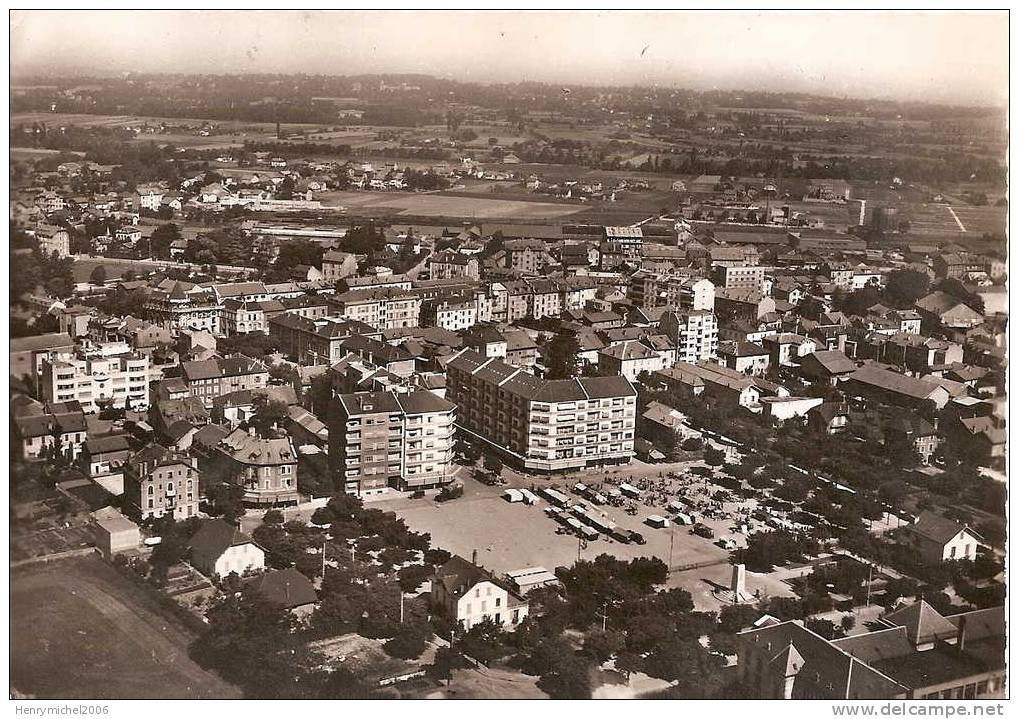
[(80, 630)]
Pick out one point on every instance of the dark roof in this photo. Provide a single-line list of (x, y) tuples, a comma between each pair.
[(923, 623), (937, 528), (286, 587), (215, 536), (40, 342), (109, 443)]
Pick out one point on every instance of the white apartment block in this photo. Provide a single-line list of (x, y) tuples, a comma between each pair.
[(97, 376)]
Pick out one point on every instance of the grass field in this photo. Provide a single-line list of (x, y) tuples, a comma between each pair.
[(80, 630)]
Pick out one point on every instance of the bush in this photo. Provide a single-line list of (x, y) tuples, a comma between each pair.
[(409, 642)]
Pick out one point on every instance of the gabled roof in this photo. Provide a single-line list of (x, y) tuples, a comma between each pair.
[(215, 536), (923, 623), (285, 587), (937, 528)]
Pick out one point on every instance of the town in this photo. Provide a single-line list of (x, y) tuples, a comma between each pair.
[(389, 386)]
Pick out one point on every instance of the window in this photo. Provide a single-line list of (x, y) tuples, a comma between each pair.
[(151, 492), (498, 601)]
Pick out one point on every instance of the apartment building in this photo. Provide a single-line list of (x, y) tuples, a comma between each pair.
[(450, 264), (336, 265), (53, 240), (160, 482), (542, 425), (315, 341), (265, 468), (693, 332), (97, 376), (740, 277), (383, 440), (382, 308), (212, 378)]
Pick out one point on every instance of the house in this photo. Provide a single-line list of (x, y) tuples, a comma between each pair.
[(287, 588), (829, 418), (940, 309), (266, 469), (219, 548), (787, 349), (744, 357), (715, 382), (826, 367), (104, 460), (938, 539), (914, 435), (468, 594)]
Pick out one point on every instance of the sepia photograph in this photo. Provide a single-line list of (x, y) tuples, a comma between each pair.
[(509, 355)]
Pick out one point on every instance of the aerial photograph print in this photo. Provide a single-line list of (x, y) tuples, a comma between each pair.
[(509, 355)]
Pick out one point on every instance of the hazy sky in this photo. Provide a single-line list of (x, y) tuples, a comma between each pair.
[(950, 57)]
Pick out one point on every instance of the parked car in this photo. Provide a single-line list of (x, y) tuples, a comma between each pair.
[(702, 530)]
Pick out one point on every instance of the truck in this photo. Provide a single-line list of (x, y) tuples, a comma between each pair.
[(657, 521), (682, 518), (621, 535), (556, 497), (580, 488), (529, 497), (513, 495), (629, 490)]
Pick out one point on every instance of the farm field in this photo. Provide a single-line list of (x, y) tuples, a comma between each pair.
[(438, 205), (95, 635)]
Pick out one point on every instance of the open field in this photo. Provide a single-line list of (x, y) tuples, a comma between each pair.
[(437, 205), (513, 536), (86, 632)]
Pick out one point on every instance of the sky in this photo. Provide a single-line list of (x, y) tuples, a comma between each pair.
[(958, 58)]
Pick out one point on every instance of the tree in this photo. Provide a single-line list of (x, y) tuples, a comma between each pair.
[(569, 679), (268, 414), (602, 646), (98, 276), (409, 642), (562, 355), (905, 287), (484, 642), (714, 457), (273, 516), (226, 500), (697, 672), (344, 684)]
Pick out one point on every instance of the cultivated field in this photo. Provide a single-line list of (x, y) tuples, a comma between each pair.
[(89, 633)]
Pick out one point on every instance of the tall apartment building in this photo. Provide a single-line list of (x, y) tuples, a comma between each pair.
[(674, 290), (450, 264), (694, 332), (379, 440), (160, 482), (542, 425), (630, 239), (53, 240), (98, 376)]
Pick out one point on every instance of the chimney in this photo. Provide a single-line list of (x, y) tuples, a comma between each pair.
[(960, 642), (474, 557)]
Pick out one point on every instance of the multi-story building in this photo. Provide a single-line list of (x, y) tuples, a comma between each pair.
[(212, 378), (265, 468), (740, 277), (108, 375), (179, 309), (630, 359), (53, 240), (379, 440), (467, 594), (383, 309), (315, 341), (525, 256), (630, 240), (41, 430), (240, 317), (336, 265), (160, 482), (694, 333), (450, 264), (543, 425)]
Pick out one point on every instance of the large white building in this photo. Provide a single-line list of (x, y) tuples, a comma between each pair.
[(98, 376), (543, 425), (695, 334)]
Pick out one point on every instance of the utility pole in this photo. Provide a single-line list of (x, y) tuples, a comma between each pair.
[(870, 578), (323, 560), (401, 606)]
